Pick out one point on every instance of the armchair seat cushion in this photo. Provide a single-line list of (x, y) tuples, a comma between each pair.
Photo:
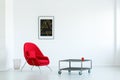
[(43, 62)]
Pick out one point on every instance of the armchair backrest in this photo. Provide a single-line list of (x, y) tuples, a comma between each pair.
[(28, 47)]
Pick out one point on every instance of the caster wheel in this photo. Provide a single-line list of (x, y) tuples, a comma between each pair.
[(89, 71), (69, 71), (80, 73), (59, 72)]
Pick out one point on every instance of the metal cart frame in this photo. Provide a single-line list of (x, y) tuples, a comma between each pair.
[(70, 68)]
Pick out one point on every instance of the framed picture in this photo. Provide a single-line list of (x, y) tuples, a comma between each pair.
[(46, 27)]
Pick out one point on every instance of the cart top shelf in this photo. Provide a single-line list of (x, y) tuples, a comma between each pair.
[(74, 60)]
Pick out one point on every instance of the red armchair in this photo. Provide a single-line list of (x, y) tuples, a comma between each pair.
[(34, 56)]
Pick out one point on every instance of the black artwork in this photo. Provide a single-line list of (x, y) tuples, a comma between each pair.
[(46, 27)]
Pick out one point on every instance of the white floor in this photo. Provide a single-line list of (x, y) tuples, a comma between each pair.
[(97, 73)]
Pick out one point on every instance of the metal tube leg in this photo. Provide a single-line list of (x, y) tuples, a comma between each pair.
[(32, 67), (59, 71), (39, 68), (49, 68), (23, 66), (69, 70), (91, 64), (81, 68), (59, 65)]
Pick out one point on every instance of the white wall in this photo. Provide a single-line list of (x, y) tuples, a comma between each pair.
[(6, 34), (118, 31), (9, 32), (82, 28), (3, 54)]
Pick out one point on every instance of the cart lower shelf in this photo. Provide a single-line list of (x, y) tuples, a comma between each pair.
[(69, 69)]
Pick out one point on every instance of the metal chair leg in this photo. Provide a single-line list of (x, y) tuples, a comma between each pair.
[(32, 67), (49, 68), (39, 68), (33, 64), (23, 66)]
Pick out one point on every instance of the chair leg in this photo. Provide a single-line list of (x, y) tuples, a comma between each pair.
[(49, 68), (23, 66), (39, 68), (32, 67)]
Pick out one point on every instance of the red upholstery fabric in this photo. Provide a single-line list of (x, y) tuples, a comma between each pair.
[(34, 56)]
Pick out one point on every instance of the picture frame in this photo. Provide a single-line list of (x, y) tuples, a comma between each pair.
[(46, 27)]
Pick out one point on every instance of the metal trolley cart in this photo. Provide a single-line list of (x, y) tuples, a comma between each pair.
[(71, 68)]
